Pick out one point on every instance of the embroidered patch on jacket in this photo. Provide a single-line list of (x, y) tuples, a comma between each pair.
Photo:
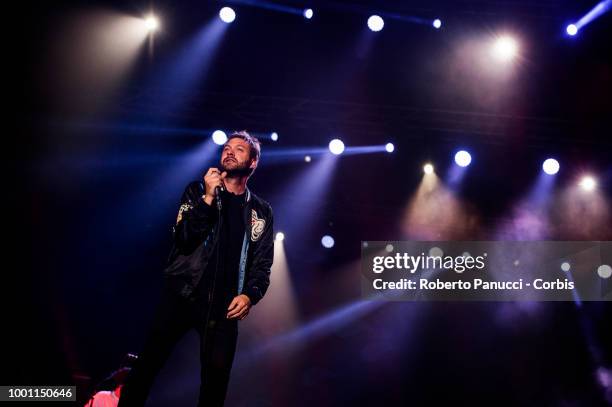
[(183, 208), (257, 226)]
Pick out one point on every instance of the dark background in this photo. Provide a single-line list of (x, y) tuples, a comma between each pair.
[(92, 202)]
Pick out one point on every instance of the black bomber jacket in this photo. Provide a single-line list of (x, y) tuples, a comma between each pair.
[(196, 234)]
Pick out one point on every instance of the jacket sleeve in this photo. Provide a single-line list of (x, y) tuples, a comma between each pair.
[(195, 218), (258, 277)]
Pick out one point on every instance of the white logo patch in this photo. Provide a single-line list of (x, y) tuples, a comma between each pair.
[(183, 208), (257, 226)]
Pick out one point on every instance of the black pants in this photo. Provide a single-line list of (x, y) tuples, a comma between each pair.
[(175, 316)]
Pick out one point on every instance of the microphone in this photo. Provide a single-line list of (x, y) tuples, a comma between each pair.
[(218, 191)]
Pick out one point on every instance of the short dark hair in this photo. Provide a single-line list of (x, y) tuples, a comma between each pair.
[(255, 146)]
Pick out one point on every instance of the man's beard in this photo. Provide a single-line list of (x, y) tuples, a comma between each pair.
[(241, 170)]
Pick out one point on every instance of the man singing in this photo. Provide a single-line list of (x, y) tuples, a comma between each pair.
[(218, 268)]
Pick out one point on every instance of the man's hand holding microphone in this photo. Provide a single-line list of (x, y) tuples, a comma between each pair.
[(213, 181)]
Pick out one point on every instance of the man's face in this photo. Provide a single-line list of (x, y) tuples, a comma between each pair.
[(235, 157)]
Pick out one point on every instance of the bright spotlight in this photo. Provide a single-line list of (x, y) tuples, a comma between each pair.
[(219, 137), (336, 146), (428, 168), (463, 158), (307, 159), (604, 271), (227, 15), (505, 48), (572, 29), (151, 23), (551, 166), (437, 23), (327, 241), (376, 23), (588, 183), (308, 13), (280, 236), (435, 252), (274, 136), (389, 147)]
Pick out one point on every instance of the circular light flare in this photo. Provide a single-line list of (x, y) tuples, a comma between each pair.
[(505, 48), (376, 23), (336, 146), (389, 147), (571, 29), (436, 252), (280, 236), (604, 271), (327, 241), (151, 23), (274, 136), (227, 15), (588, 183), (463, 158), (307, 159), (219, 137), (308, 13), (565, 266), (428, 168), (551, 166), (437, 23)]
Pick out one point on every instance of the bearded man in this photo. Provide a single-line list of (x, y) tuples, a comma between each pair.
[(219, 267)]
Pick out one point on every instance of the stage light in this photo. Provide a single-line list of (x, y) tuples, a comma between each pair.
[(280, 236), (437, 23), (327, 241), (597, 11), (588, 183), (565, 266), (428, 168), (308, 13), (390, 147), (376, 23), (219, 137), (336, 146), (151, 23), (505, 48), (307, 159), (463, 158), (274, 136), (551, 166), (435, 252), (604, 271), (227, 15)]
